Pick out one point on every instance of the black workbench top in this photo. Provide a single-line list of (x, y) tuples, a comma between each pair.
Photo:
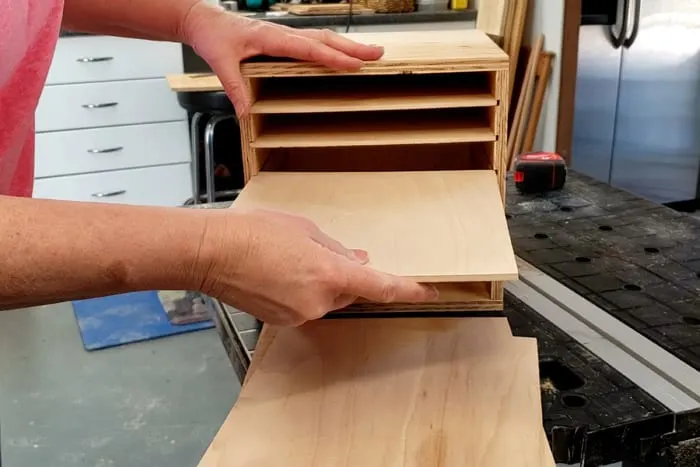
[(423, 15)]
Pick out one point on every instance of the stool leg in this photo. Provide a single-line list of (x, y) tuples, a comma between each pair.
[(209, 153), (194, 149)]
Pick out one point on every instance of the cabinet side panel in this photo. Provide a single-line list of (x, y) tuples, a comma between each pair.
[(500, 126), (253, 159), (500, 148)]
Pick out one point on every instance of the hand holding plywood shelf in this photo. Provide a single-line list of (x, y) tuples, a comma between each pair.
[(430, 226)]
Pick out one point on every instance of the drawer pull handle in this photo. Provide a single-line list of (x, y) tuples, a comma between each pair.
[(105, 150), (94, 59), (102, 105), (108, 194)]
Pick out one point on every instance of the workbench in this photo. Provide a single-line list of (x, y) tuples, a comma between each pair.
[(610, 287)]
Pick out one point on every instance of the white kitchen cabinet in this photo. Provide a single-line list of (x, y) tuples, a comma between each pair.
[(101, 149), (89, 59), (92, 105), (109, 128), (165, 185)]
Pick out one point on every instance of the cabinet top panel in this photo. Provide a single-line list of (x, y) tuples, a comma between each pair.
[(410, 51)]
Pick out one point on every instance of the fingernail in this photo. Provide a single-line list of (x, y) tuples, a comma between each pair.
[(361, 255), (433, 293)]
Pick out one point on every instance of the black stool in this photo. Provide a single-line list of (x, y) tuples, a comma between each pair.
[(217, 106)]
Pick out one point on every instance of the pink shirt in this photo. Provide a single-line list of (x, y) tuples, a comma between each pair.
[(28, 31)]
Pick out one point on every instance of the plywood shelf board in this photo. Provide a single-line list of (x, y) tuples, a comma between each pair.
[(378, 392), (194, 82), (491, 17), (433, 226), (352, 100), (361, 134), (419, 51)]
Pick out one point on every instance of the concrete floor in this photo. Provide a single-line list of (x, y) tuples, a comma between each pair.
[(155, 404)]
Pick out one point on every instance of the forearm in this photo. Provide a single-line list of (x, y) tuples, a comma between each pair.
[(145, 19), (55, 251)]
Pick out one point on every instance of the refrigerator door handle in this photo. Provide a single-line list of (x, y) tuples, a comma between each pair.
[(635, 25), (618, 40)]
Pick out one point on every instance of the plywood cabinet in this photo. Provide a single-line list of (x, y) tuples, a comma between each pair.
[(403, 158)]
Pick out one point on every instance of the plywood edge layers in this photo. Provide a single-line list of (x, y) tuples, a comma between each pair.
[(366, 101), (286, 69)]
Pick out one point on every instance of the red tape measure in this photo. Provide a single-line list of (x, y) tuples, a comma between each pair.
[(539, 172)]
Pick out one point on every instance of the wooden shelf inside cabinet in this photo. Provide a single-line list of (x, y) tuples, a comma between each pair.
[(372, 129)]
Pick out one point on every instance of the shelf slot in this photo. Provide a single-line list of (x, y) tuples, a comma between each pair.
[(373, 93), (456, 156), (374, 128)]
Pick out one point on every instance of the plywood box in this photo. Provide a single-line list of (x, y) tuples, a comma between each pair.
[(403, 158), (409, 152)]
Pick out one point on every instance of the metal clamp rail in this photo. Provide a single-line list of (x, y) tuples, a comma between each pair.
[(660, 373)]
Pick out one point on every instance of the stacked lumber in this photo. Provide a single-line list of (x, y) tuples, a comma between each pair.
[(505, 22)]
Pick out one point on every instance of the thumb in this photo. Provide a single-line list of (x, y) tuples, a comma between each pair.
[(235, 86)]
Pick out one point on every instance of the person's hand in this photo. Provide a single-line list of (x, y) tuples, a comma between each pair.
[(282, 269), (225, 39)]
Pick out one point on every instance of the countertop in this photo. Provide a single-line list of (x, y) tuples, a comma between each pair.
[(426, 14)]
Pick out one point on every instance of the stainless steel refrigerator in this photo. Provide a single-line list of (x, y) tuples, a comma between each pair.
[(637, 110)]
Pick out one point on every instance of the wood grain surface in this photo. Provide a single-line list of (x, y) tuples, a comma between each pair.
[(372, 130), (418, 51), (387, 392), (491, 17), (433, 226), (350, 100), (414, 51)]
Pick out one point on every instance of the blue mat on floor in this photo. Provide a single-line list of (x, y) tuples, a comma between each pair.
[(126, 318)]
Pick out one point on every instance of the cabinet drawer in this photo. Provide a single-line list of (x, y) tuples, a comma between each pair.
[(104, 58), (168, 185), (90, 105), (100, 149)]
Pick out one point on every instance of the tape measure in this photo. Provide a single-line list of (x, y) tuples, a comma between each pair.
[(539, 172)]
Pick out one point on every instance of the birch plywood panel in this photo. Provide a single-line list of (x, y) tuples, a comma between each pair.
[(419, 51), (433, 226), (388, 392), (491, 17)]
